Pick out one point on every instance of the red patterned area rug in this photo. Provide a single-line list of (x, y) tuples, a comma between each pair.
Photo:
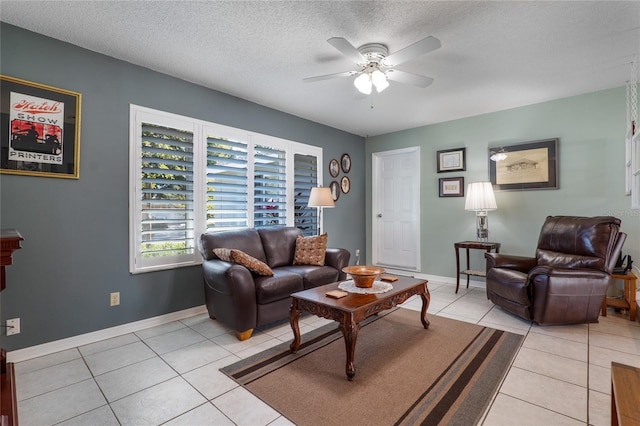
[(405, 375)]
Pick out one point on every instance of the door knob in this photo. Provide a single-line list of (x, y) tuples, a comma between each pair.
[(379, 214)]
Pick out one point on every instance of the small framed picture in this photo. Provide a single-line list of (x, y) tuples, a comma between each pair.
[(452, 160), (334, 168), (345, 184), (451, 187), (335, 190), (345, 162)]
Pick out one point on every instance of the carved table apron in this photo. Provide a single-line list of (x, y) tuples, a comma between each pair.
[(351, 310)]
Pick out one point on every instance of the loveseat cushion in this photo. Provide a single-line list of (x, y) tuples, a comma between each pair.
[(279, 244), (310, 250), (313, 276), (277, 287), (246, 240)]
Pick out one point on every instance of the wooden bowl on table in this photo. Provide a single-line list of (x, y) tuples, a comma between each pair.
[(363, 276)]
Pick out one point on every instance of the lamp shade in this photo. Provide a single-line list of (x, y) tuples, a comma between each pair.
[(480, 197), (321, 197)]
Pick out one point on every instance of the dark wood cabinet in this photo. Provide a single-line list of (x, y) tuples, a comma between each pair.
[(9, 242)]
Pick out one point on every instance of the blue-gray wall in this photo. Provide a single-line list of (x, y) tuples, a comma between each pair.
[(76, 248), (591, 129)]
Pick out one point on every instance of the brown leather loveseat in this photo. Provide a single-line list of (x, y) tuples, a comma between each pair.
[(243, 300), (566, 282)]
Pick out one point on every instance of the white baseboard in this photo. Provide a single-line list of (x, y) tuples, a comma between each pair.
[(95, 336)]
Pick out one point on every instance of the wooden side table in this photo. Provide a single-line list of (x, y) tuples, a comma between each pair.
[(472, 245), (629, 301)]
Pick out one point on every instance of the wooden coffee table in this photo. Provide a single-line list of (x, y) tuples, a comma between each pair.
[(351, 310)]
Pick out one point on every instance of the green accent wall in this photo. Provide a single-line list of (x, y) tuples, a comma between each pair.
[(591, 129)]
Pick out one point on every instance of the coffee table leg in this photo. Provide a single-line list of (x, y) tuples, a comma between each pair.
[(294, 315), (350, 333), (426, 298)]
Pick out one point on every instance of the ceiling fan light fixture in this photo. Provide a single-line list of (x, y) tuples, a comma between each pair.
[(363, 83), (379, 80)]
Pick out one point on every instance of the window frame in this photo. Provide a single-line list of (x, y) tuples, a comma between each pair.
[(201, 130)]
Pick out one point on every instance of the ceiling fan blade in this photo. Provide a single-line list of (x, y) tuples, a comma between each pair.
[(414, 50), (328, 76), (347, 49), (409, 78)]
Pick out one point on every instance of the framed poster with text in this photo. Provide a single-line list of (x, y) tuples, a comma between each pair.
[(39, 129)]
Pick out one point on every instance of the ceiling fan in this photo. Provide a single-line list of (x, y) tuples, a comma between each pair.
[(376, 66)]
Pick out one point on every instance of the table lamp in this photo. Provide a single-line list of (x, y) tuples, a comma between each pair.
[(320, 197), (480, 199)]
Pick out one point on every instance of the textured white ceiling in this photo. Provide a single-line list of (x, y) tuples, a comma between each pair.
[(494, 55)]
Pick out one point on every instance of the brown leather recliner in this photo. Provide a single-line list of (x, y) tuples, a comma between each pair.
[(567, 280)]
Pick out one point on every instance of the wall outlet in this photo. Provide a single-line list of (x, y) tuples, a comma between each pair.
[(13, 326), (115, 298), (357, 252)]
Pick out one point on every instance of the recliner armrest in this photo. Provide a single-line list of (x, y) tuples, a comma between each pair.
[(568, 273), (517, 263), (567, 295)]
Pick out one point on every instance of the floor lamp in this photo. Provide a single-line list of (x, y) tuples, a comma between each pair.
[(480, 199), (320, 197)]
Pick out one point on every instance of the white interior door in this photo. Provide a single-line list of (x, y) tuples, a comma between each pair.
[(396, 209)]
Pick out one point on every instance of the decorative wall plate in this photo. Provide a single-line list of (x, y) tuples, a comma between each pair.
[(335, 190), (345, 162), (334, 168), (345, 184)]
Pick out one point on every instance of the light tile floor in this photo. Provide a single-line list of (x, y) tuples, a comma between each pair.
[(170, 374)]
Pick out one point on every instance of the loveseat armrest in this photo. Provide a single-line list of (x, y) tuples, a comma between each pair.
[(230, 294), (517, 263), (337, 258)]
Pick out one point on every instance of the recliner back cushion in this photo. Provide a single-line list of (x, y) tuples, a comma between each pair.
[(577, 242), (279, 244), (246, 240)]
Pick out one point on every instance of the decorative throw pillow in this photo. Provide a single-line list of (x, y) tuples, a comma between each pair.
[(223, 254), (251, 263), (242, 258), (310, 250)]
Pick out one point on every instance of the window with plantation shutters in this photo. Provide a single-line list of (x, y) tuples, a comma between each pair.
[(305, 178), (164, 191), (189, 177)]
